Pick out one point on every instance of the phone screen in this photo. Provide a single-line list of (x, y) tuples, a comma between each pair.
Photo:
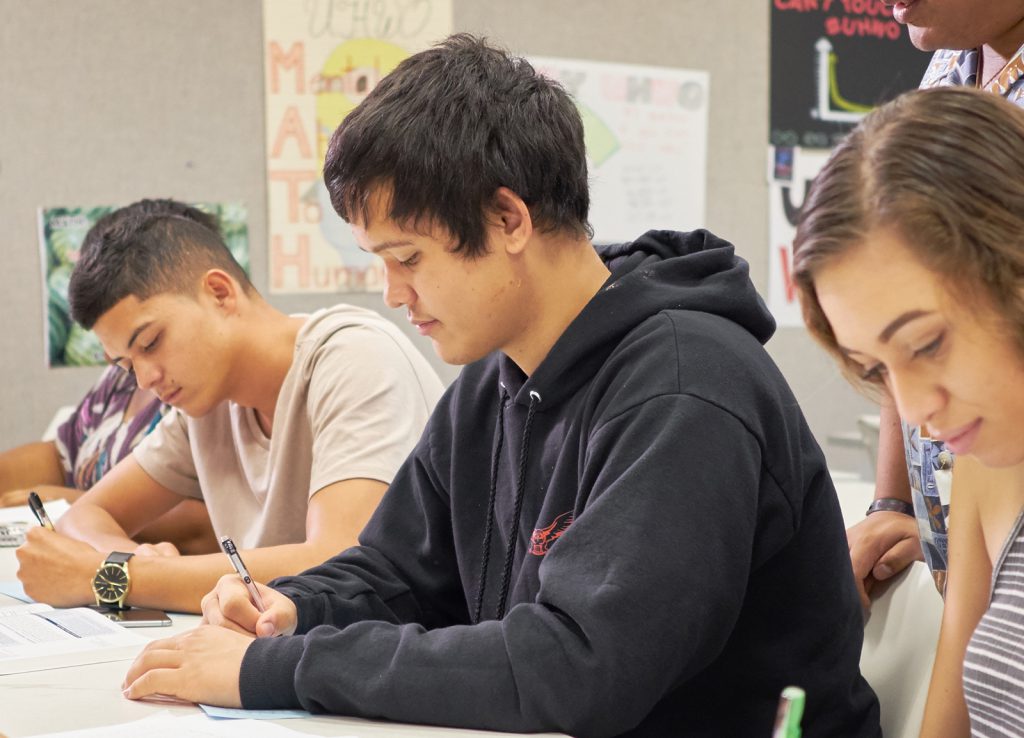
[(135, 617)]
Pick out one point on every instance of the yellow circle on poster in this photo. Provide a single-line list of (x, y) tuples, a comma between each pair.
[(347, 77)]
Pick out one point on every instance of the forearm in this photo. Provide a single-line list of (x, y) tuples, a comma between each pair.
[(95, 526), (29, 465), (45, 492), (180, 582), (891, 479)]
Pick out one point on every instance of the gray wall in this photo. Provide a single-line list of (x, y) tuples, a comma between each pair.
[(106, 101)]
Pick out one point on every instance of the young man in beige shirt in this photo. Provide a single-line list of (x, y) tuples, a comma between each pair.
[(288, 427)]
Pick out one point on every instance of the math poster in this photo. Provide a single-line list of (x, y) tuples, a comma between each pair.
[(322, 57), (832, 62), (61, 232), (646, 138)]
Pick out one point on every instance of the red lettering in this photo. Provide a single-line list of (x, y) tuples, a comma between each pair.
[(297, 259), (294, 179), (800, 6), (296, 57), (291, 127), (787, 274)]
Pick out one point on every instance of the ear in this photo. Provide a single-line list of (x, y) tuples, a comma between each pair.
[(512, 225), (221, 289)]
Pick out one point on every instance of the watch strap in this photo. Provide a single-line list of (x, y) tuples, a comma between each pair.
[(118, 557), (891, 504)]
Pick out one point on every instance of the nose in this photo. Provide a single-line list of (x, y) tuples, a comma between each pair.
[(397, 291), (147, 374), (918, 399)]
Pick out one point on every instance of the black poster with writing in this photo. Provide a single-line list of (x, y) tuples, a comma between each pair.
[(831, 62)]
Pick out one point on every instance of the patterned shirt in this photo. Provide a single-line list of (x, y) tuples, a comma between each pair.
[(96, 436), (929, 463)]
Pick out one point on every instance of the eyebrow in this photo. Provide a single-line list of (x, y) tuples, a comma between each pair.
[(901, 321), (388, 245), (889, 332), (135, 334)]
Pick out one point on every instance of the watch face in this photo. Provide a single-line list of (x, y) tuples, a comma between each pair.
[(111, 583)]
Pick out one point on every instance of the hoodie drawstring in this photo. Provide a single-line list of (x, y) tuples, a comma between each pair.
[(489, 527), (513, 533)]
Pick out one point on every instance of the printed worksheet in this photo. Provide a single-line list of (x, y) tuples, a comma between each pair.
[(34, 637)]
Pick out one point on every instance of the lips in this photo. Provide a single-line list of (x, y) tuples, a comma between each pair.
[(169, 399), (900, 10), (424, 326), (959, 440)]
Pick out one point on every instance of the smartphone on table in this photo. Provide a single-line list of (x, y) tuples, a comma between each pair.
[(134, 617)]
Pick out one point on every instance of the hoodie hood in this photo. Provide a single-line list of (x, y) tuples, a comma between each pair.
[(661, 270)]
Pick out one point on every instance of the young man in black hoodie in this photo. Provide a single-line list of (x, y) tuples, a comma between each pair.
[(616, 522)]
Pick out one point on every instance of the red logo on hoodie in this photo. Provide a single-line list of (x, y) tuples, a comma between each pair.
[(542, 538)]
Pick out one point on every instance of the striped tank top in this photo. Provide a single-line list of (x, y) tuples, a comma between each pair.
[(994, 663)]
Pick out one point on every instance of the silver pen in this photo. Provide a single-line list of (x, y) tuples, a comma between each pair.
[(236, 561)]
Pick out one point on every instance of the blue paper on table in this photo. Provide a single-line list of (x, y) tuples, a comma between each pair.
[(231, 713), (16, 590)]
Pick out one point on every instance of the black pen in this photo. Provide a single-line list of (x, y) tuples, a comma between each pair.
[(38, 510)]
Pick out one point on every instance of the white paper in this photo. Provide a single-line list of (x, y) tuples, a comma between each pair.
[(237, 713), (23, 514), (165, 725), (36, 637)]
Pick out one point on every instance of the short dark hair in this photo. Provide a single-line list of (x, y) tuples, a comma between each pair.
[(447, 128), (143, 249)]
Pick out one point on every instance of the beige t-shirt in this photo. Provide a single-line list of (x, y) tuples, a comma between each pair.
[(352, 405)]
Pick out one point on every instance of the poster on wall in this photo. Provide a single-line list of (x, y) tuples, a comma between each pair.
[(61, 232), (797, 168), (832, 62), (322, 57), (646, 137)]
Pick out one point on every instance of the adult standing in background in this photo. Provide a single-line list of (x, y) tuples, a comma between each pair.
[(977, 43)]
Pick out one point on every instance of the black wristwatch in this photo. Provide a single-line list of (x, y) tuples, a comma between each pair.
[(110, 585), (891, 504)]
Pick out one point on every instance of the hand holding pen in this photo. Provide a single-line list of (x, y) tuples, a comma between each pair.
[(229, 606), (39, 511), (236, 561)]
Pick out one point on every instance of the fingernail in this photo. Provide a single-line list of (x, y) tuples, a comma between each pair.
[(883, 571)]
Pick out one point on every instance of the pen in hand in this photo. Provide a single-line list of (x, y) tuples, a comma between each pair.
[(236, 561), (39, 511)]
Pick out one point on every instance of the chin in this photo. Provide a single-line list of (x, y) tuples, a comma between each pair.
[(926, 39)]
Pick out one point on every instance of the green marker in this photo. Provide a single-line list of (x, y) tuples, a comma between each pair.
[(791, 712)]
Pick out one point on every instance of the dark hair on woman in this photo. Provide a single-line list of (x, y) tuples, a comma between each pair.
[(143, 249), (448, 127), (941, 168)]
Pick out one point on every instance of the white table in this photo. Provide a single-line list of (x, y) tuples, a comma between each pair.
[(89, 696)]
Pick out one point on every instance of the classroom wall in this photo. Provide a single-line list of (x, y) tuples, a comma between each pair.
[(107, 101)]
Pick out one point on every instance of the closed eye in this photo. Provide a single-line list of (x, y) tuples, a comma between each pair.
[(874, 374), (931, 348)]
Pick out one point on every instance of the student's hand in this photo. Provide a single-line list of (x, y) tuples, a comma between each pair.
[(201, 665), (229, 606), (56, 569), (17, 497), (882, 545), (163, 548)]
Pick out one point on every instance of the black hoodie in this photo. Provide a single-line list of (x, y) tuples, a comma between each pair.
[(645, 525)]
